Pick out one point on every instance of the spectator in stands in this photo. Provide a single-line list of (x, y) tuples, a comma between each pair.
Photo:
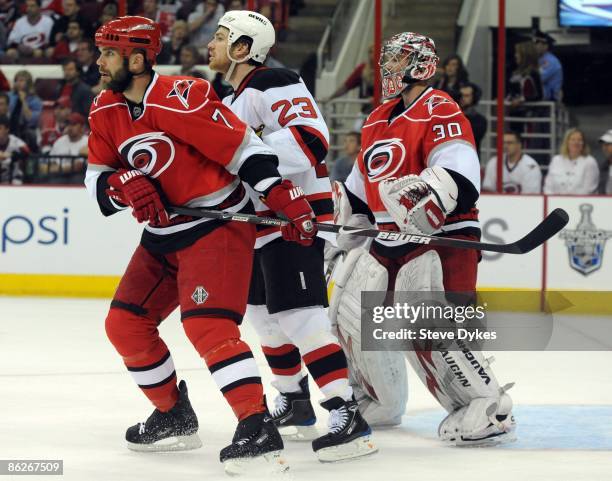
[(190, 57), (5, 86), (54, 130), (361, 77), (8, 14), (4, 104), (524, 84), (13, 151), (71, 13), (171, 49), (25, 108), (454, 75), (151, 10), (521, 173), (343, 165), (235, 5), (86, 56), (109, 12), (73, 88), (30, 35), (606, 173), (470, 96), (203, 23), (574, 170), (73, 144), (551, 71), (68, 45)]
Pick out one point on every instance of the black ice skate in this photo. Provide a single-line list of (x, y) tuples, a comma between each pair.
[(349, 433), (294, 416), (175, 430), (256, 447)]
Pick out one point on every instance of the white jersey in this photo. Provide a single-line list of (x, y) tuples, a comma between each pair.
[(33, 36), (524, 177), (279, 107), (565, 176)]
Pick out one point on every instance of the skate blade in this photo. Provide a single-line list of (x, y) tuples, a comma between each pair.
[(173, 443), (298, 433), (357, 448), (271, 463)]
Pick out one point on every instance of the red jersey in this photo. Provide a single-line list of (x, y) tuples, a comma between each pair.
[(183, 138), (397, 141)]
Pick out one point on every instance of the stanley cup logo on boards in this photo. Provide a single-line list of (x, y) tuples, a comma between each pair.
[(585, 244)]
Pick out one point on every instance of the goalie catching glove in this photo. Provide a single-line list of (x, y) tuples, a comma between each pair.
[(131, 187), (289, 200), (419, 204)]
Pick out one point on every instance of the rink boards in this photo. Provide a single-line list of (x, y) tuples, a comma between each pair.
[(55, 242)]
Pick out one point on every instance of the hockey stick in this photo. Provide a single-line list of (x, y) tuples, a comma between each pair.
[(551, 225)]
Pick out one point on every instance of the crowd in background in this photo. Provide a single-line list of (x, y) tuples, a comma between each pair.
[(43, 122), (43, 126)]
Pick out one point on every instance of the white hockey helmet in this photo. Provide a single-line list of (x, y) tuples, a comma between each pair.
[(253, 25)]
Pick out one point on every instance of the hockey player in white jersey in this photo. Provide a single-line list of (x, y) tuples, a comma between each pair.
[(288, 295), (521, 173), (417, 172)]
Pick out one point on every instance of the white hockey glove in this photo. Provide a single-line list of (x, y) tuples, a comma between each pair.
[(419, 204)]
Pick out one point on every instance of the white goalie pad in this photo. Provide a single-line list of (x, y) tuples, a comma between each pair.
[(460, 379), (379, 378)]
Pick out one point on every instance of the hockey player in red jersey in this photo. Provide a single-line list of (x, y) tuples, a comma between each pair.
[(158, 141), (417, 172), (287, 297)]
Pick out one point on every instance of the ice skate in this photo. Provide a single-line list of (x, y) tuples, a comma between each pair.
[(256, 448), (175, 430), (349, 434), (294, 416)]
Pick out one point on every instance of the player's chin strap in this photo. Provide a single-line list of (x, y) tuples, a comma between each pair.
[(234, 62)]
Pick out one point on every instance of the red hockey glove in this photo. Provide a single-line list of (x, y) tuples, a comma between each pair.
[(131, 187), (289, 200)]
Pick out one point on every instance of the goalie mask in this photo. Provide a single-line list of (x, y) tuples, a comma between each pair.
[(406, 58)]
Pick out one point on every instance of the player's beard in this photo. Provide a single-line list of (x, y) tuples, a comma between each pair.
[(121, 79)]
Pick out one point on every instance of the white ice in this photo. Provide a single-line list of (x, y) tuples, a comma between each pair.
[(66, 395)]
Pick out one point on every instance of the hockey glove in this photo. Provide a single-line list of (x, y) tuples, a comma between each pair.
[(131, 187), (289, 200), (420, 204)]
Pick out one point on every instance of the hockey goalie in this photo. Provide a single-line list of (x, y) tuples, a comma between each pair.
[(417, 172)]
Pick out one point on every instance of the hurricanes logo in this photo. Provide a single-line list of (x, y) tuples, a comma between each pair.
[(150, 153), (435, 101), (383, 159), (181, 90), (34, 40)]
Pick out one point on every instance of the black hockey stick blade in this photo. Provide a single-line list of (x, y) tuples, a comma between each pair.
[(550, 226)]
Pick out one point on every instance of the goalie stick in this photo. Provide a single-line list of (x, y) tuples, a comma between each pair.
[(551, 225)]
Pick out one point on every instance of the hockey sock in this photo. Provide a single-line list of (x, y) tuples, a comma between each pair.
[(230, 361), (145, 355), (285, 362), (310, 330), (282, 355)]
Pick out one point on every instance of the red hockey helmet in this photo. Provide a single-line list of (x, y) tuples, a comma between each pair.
[(128, 33), (405, 58)]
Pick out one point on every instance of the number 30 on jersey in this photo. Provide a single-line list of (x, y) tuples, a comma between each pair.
[(443, 131)]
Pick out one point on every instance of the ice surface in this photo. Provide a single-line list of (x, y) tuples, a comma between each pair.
[(66, 395)]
